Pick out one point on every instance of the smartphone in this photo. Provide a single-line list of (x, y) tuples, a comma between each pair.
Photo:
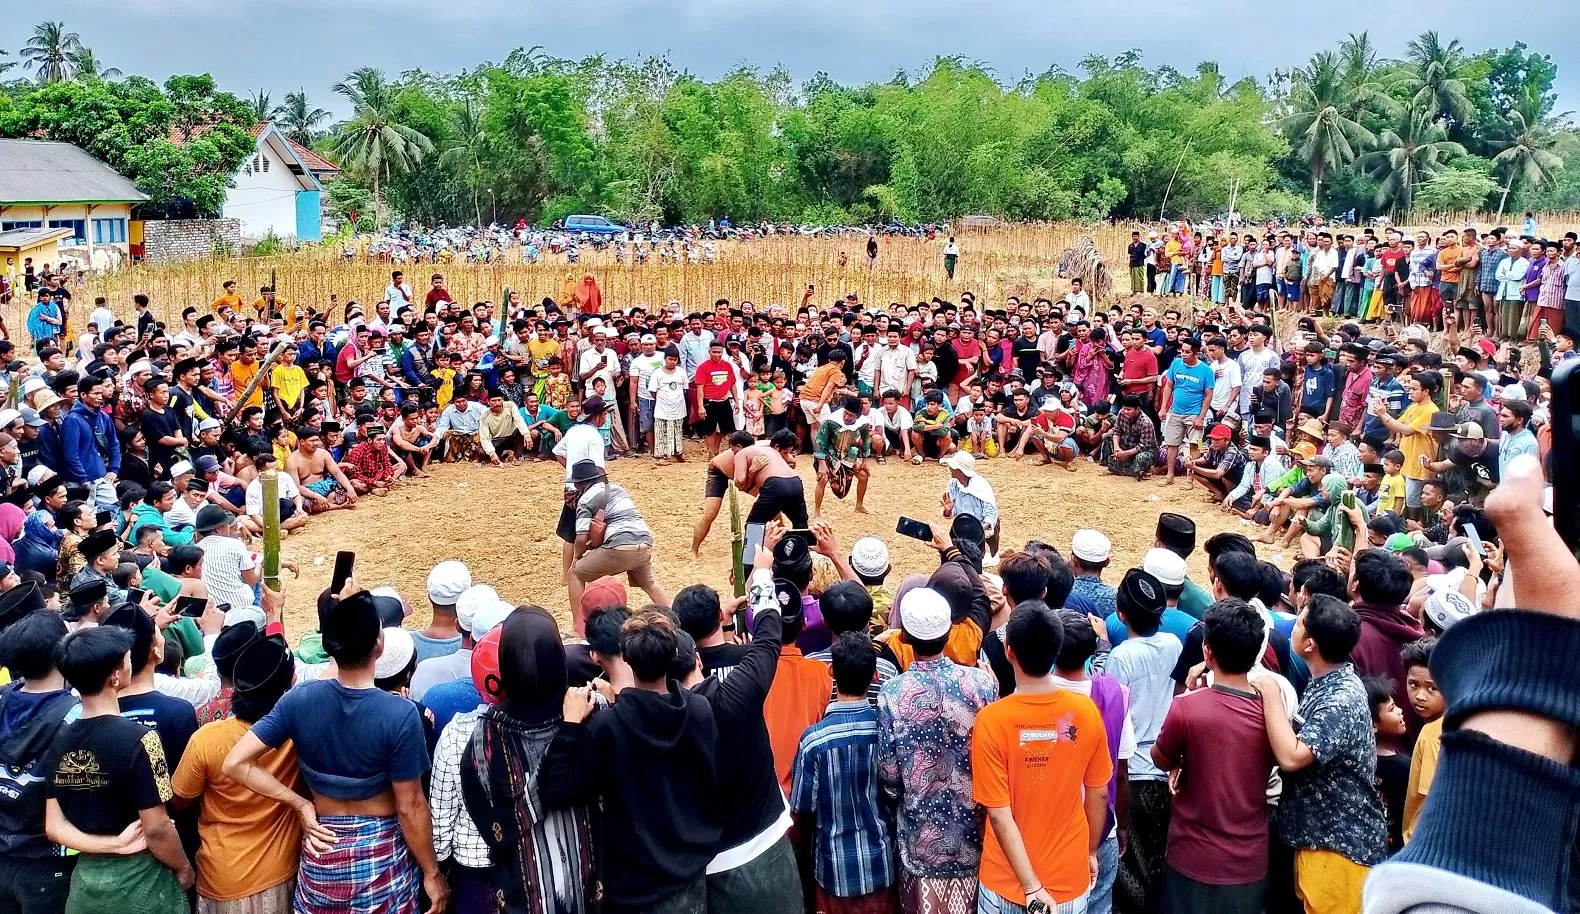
[(1475, 540), (1565, 472), (345, 562), (191, 607), (753, 535), (914, 529), (134, 596)]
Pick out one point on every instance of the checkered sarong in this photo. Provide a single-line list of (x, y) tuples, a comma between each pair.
[(367, 869)]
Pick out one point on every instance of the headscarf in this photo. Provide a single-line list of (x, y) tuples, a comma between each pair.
[(12, 519), (546, 855), (568, 291), (39, 527), (588, 297)]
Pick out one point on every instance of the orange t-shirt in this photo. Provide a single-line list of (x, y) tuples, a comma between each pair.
[(242, 375), (796, 701), (249, 842), (819, 380), (1034, 753)]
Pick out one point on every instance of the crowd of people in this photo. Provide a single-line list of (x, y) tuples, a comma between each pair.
[(1019, 727)]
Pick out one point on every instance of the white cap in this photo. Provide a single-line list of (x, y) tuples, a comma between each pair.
[(1089, 545), (398, 651), (489, 617), (649, 338), (1447, 606), (869, 557), (491, 341), (962, 461), (141, 366), (239, 614), (1166, 566), (8, 416), (924, 614), (473, 600), (33, 385), (447, 581), (603, 331), (209, 423), (180, 468), (1509, 394), (41, 472)]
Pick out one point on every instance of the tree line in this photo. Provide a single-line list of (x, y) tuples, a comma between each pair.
[(539, 137)]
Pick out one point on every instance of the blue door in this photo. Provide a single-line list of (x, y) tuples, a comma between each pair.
[(309, 216)]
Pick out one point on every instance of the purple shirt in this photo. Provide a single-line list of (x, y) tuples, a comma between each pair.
[(1534, 274)]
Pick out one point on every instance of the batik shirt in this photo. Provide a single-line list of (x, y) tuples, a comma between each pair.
[(925, 717), (1332, 804)]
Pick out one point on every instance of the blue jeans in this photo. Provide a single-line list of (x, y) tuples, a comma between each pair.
[(1100, 898), (990, 903)]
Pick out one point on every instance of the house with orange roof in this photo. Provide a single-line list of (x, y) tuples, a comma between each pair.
[(279, 189)]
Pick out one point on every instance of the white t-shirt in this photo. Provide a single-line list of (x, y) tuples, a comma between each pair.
[(893, 365), (288, 491), (606, 363), (580, 442), (867, 364), (103, 318), (224, 561), (1127, 733), (900, 421), (642, 366), (1225, 378), (182, 513), (667, 390), (1146, 665)]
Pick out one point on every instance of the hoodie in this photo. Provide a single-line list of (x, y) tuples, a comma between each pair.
[(651, 760), (1385, 630)]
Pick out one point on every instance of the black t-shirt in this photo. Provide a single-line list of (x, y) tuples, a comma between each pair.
[(145, 323), (1468, 470), (1138, 253), (1027, 356), (173, 719), (181, 403), (158, 425), (1392, 780), (105, 770), (1010, 412), (721, 658)]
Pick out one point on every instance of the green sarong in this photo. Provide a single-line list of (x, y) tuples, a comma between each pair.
[(103, 884)]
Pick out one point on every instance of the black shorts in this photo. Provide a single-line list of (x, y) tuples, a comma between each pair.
[(717, 484), (566, 528), (892, 436), (932, 446), (718, 417), (780, 495)]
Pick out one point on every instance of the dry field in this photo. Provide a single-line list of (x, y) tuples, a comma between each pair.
[(501, 523)]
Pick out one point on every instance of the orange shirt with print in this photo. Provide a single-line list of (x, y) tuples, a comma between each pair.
[(1034, 753), (249, 842), (796, 701), (820, 379)]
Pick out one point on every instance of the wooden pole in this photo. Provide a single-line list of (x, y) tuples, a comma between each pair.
[(737, 552), (263, 372), (270, 480)]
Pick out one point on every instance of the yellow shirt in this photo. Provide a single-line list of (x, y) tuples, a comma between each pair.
[(288, 382), (231, 301), (445, 377), (541, 351), (1171, 250), (1423, 767), (1390, 494), (1414, 447)]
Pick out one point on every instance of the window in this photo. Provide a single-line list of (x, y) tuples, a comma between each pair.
[(23, 224), (79, 229), (109, 231), (265, 160)]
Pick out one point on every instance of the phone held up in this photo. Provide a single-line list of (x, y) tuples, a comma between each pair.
[(914, 529)]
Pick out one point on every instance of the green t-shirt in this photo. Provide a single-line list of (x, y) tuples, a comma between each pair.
[(160, 583), (1194, 601)]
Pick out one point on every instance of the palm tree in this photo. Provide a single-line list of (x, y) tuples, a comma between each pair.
[(1528, 154), (465, 152), (53, 50), (261, 106), (1434, 77), (300, 120), (1326, 137), (373, 143), (1410, 152), (5, 64), (1362, 75), (86, 63)]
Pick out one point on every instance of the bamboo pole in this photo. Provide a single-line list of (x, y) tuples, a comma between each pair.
[(270, 480), (737, 553)]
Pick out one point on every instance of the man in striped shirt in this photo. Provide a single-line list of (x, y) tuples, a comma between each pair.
[(835, 794), (611, 536)]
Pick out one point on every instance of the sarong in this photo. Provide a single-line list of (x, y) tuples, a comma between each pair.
[(1141, 868), (883, 901), (368, 869), (102, 884), (942, 895)]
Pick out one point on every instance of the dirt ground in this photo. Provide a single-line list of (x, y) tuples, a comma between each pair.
[(501, 523)]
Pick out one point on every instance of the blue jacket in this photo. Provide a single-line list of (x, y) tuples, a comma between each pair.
[(49, 447), (82, 432), (417, 367)]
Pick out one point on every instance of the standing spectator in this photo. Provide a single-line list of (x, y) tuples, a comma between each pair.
[(801, 686), (1039, 763), (1330, 812), (1379, 586), (925, 719), (89, 443), (1187, 395)]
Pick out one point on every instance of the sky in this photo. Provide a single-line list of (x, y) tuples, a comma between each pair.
[(282, 45)]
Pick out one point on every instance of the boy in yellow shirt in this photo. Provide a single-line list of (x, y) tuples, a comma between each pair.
[(1390, 494), (288, 380), (444, 377)]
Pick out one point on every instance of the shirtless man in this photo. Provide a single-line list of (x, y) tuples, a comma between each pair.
[(317, 475), (721, 469), (412, 441), (768, 473)]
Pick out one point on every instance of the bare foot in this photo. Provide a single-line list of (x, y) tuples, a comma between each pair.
[(862, 509), (1166, 481), (1070, 466)]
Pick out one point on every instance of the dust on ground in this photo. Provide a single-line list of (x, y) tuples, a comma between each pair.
[(500, 522)]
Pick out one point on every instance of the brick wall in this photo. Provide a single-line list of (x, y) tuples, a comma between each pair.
[(184, 239)]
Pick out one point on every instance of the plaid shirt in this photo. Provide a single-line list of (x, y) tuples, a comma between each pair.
[(1487, 270), (836, 785), (455, 835), (368, 462), (1139, 432)]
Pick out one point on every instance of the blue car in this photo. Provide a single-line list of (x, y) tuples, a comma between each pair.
[(592, 225)]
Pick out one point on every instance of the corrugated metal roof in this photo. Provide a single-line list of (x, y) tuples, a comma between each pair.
[(40, 171), (26, 238)]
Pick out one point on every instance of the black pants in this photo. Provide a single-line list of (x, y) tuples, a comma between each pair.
[(780, 495), (34, 885)]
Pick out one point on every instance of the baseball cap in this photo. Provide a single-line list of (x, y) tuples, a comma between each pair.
[(399, 648), (603, 593), (1221, 432), (1164, 565), (447, 581), (924, 614), (869, 557), (1399, 542), (1470, 431), (1089, 545)]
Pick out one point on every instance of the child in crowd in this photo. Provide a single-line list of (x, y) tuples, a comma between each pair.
[(1393, 766), (980, 429), (1429, 704), (1390, 495)]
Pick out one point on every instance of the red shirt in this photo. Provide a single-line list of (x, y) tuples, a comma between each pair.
[(1056, 419), (716, 377), (1218, 832), (1139, 363), (1389, 258), (435, 296)]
